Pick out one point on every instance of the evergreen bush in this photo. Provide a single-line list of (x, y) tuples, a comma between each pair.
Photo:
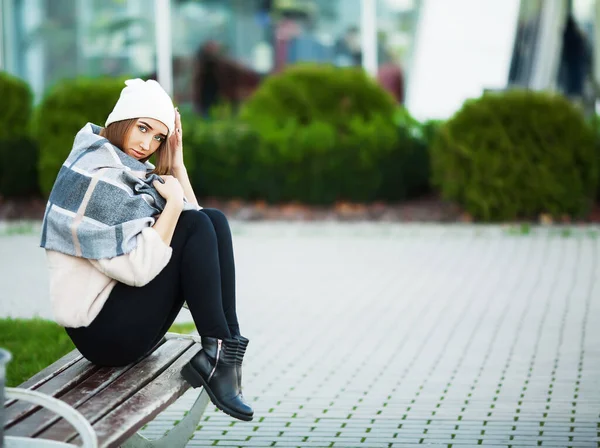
[(515, 155), (64, 110), (18, 151)]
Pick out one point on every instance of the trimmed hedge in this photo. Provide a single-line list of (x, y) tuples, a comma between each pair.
[(18, 152), (312, 164), (367, 156), (313, 133), (594, 122), (65, 109), (517, 154), (17, 105), (406, 170), (339, 153), (220, 157), (318, 165)]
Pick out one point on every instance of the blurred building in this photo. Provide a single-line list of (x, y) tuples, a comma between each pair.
[(430, 54)]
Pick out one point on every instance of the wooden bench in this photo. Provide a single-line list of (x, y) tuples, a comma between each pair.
[(103, 407)]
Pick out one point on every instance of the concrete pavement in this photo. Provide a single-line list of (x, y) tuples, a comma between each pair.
[(400, 335)]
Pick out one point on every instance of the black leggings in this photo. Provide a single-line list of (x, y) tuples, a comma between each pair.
[(201, 272)]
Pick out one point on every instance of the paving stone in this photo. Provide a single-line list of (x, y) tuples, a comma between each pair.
[(371, 443), (402, 329)]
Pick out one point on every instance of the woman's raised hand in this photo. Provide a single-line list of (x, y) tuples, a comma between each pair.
[(177, 163), (171, 190)]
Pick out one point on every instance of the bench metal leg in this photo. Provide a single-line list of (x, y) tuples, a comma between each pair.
[(180, 434)]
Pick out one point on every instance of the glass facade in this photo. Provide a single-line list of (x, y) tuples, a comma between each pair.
[(526, 39), (221, 49), (396, 27), (48, 40), (577, 56), (574, 51)]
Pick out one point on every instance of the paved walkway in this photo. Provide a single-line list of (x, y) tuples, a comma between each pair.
[(389, 335)]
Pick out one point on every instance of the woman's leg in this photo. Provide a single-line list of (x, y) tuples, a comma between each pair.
[(227, 266), (200, 275), (134, 319), (217, 366)]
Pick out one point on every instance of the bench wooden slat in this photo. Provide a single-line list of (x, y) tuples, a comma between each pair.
[(123, 388), (42, 419), (125, 420), (53, 385), (50, 372)]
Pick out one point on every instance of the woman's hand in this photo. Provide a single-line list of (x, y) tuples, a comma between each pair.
[(176, 141), (171, 190)]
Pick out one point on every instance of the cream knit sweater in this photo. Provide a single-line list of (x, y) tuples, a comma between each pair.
[(79, 287)]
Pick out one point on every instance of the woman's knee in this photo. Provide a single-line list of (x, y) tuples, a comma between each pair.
[(193, 225), (194, 220), (217, 217)]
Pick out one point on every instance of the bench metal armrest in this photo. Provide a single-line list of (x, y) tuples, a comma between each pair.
[(70, 414)]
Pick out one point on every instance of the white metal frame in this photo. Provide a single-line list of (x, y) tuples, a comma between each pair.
[(368, 34), (164, 50), (596, 46), (8, 34), (2, 36), (180, 434), (549, 45), (74, 417)]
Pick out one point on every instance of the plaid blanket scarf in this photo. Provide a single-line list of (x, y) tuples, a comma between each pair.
[(101, 200)]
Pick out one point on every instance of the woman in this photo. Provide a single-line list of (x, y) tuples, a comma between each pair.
[(127, 245)]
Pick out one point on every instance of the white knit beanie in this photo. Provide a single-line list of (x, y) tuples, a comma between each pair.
[(144, 99)]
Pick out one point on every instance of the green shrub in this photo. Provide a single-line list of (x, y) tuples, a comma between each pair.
[(306, 93), (18, 153), (515, 155), (384, 158), (359, 154), (296, 160), (594, 122), (317, 135), (406, 169), (313, 163), (18, 167), (66, 108), (17, 103), (220, 157)]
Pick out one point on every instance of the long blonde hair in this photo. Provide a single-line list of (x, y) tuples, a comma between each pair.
[(117, 132)]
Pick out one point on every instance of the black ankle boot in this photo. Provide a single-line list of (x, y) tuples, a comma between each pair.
[(239, 357), (215, 368)]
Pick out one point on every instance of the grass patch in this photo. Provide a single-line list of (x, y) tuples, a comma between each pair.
[(565, 233), (519, 229), (19, 228), (34, 345), (37, 343), (182, 328)]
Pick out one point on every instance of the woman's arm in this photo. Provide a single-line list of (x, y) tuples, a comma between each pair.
[(166, 222), (140, 266), (153, 251), (172, 191), (182, 176), (179, 169)]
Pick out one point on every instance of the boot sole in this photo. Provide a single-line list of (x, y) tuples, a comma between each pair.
[(196, 380)]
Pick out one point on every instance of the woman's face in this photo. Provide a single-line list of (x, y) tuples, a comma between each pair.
[(146, 135)]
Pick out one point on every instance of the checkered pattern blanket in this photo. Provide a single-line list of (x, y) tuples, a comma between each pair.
[(101, 200)]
